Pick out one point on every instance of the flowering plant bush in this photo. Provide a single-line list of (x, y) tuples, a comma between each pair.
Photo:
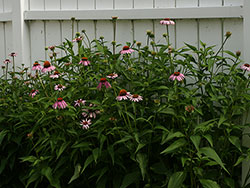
[(151, 116)]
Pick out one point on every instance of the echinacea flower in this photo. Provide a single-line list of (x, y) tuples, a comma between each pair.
[(59, 87), (79, 102), (52, 48), (167, 21), (126, 50), (135, 98), (33, 93), (189, 108), (177, 75), (55, 75), (37, 66), (123, 95), (84, 61), (47, 67), (13, 54), (6, 61), (103, 81), (85, 123), (91, 113), (245, 67), (112, 75), (60, 104)]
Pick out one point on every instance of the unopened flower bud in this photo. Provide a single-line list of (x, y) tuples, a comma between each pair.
[(113, 42), (238, 53), (114, 17), (78, 34), (46, 48), (73, 19), (152, 35), (3, 67), (170, 49), (152, 43), (153, 53), (138, 43), (228, 34), (101, 37), (165, 35), (149, 32), (83, 31)]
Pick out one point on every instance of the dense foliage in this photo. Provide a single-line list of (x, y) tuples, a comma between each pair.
[(145, 116)]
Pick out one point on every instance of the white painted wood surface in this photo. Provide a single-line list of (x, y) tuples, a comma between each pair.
[(37, 4), (52, 4), (186, 3), (86, 4), (121, 4), (104, 4), (210, 3), (233, 2), (164, 3), (140, 29), (2, 43), (7, 5), (124, 32), (8, 38), (69, 5), (142, 4)]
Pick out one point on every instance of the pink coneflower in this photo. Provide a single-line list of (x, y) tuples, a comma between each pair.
[(135, 98), (189, 108), (245, 67), (59, 87), (55, 75), (47, 67), (37, 66), (52, 48), (84, 61), (177, 75), (85, 123), (33, 93), (6, 61), (126, 50), (103, 81), (78, 39), (167, 21), (112, 75), (60, 104), (79, 102), (91, 113), (123, 95), (13, 54)]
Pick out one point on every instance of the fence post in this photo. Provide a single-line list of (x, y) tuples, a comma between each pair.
[(20, 33), (246, 53)]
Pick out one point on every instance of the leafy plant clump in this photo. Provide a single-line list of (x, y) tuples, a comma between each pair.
[(134, 116)]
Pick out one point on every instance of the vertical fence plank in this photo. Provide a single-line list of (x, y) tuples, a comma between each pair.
[(37, 38), (233, 2), (146, 4), (160, 30), (37, 4), (210, 32), (1, 6), (86, 4), (121, 4), (210, 3), (2, 42), (124, 32), (68, 5), (7, 5), (164, 3), (8, 37), (140, 29), (52, 4), (104, 28), (186, 3), (104, 4), (186, 31), (89, 28)]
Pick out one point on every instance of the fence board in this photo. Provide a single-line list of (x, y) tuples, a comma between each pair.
[(104, 28), (210, 3), (164, 3), (121, 4), (186, 3), (89, 27), (8, 37), (86, 4), (140, 29), (186, 31), (210, 32), (52, 4), (69, 5), (37, 39), (7, 5), (37, 5), (2, 42), (160, 30), (146, 4), (233, 2), (1, 6), (104, 4), (124, 32)]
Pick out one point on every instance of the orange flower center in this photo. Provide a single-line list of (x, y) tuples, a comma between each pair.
[(135, 96), (103, 80), (36, 64), (176, 73), (85, 123), (59, 99), (123, 92), (167, 19), (125, 47), (111, 74), (60, 86), (84, 59), (246, 65), (56, 72), (46, 64)]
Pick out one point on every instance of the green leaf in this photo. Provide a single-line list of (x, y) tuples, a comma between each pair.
[(169, 111), (112, 153), (239, 161), (209, 139), (2, 135), (89, 160), (191, 47), (222, 120), (130, 178), (62, 148), (143, 162), (177, 144), (76, 173), (196, 141), (81, 145), (236, 142), (209, 152), (209, 183), (95, 153), (172, 135), (177, 179), (47, 172)]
